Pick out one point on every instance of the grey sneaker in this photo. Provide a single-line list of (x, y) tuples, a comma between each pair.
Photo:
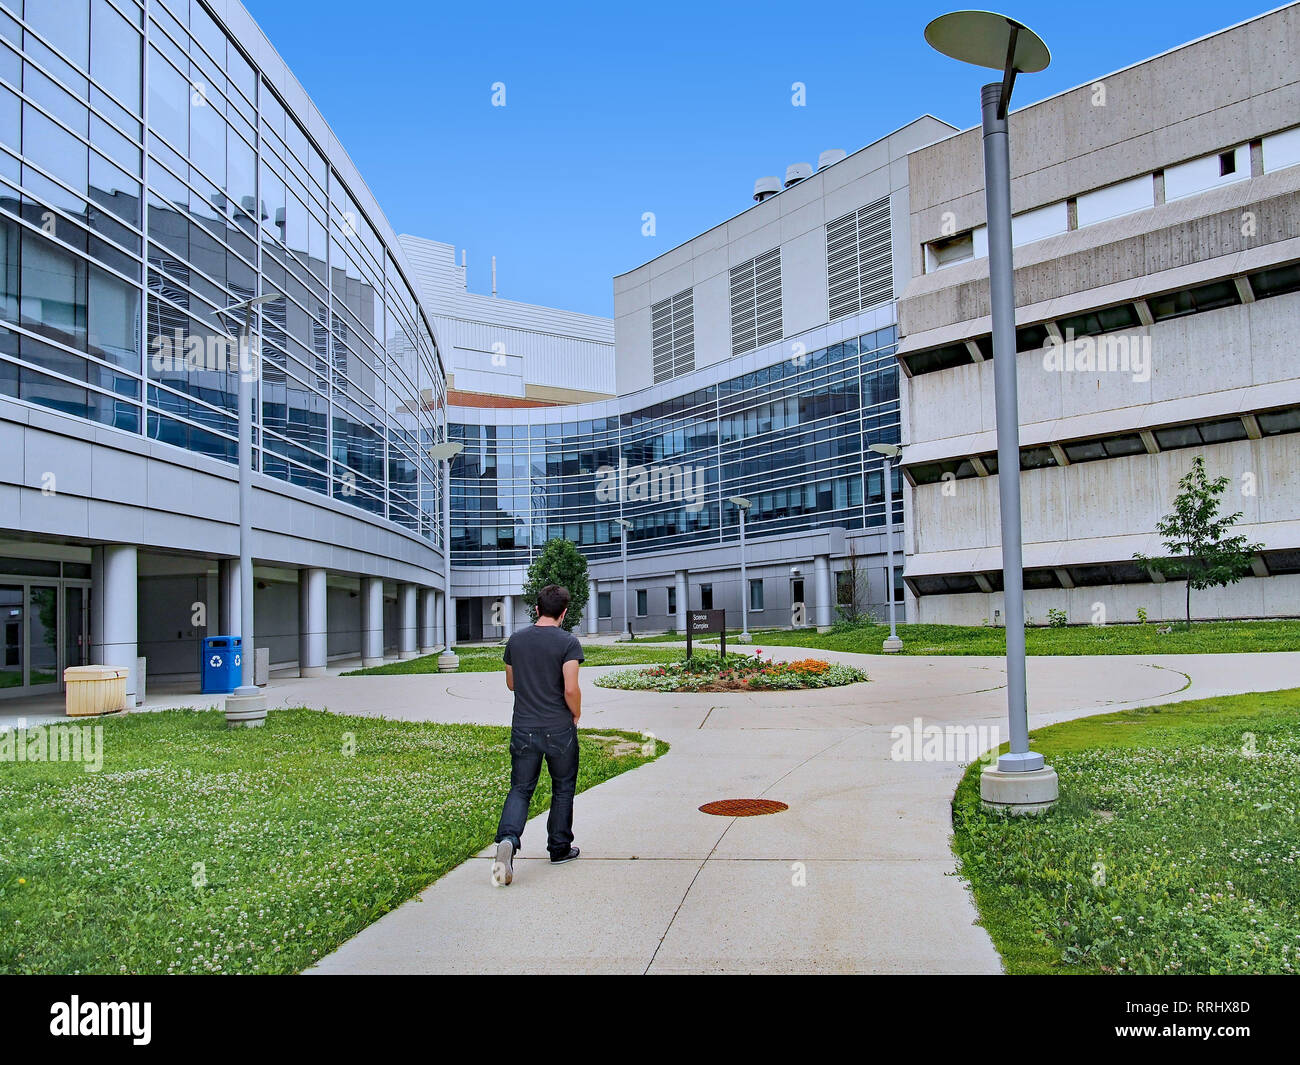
[(503, 865)]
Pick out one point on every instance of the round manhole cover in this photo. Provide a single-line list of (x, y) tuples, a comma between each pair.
[(743, 807)]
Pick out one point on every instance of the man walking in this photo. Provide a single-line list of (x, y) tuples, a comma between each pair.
[(542, 670)]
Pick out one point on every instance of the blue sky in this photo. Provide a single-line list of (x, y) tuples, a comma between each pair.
[(615, 109)]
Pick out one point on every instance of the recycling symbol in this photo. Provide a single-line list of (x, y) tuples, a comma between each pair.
[(215, 661)]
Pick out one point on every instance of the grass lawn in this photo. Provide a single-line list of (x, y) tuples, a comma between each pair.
[(1173, 848), (1204, 637), (487, 659), (201, 849)]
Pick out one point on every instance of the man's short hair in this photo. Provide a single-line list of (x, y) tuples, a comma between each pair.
[(553, 600)]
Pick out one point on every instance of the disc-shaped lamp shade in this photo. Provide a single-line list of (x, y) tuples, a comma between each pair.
[(982, 37), (449, 450)]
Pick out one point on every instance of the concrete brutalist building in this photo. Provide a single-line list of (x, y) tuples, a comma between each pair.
[(1157, 227)]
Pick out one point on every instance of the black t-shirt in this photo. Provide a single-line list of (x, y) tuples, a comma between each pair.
[(537, 655)]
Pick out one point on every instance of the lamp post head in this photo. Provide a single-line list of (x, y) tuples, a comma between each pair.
[(448, 450), (987, 39), (890, 451), (244, 305), (741, 501), (984, 39), (623, 522)]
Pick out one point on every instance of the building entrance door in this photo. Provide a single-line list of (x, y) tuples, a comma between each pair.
[(45, 628), (469, 619)]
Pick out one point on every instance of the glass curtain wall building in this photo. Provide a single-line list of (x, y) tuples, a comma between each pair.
[(151, 176), (791, 436), (158, 164)]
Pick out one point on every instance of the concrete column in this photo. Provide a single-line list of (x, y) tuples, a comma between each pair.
[(428, 608), (439, 621), (508, 615), (822, 591), (681, 592), (407, 638), (593, 607), (211, 604), (227, 597), (312, 624), (372, 621), (113, 623)]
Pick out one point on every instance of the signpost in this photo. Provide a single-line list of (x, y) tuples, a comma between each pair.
[(707, 621)]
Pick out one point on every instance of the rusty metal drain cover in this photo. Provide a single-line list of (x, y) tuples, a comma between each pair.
[(743, 807)]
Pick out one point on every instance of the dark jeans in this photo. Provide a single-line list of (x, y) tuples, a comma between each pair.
[(559, 746)]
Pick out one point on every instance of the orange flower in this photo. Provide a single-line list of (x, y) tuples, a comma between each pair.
[(812, 666)]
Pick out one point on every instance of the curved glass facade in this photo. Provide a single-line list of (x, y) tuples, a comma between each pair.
[(791, 437), (151, 176)]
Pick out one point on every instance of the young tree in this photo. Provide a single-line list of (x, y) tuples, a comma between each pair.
[(850, 583), (559, 563), (1200, 552)]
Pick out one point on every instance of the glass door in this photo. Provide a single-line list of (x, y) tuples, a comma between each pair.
[(45, 627), (43, 637), (76, 625), (13, 666)]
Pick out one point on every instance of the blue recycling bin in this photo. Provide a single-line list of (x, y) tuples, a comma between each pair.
[(222, 666)]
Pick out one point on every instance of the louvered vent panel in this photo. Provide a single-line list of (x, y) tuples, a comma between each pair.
[(859, 260), (756, 302), (875, 260), (672, 333)]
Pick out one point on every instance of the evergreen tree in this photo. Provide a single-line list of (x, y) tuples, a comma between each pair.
[(560, 562)]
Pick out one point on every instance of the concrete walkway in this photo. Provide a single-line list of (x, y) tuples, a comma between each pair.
[(855, 877)]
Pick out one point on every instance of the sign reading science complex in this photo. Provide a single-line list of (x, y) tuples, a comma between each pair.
[(702, 622)]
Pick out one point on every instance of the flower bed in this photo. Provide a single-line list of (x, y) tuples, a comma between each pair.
[(708, 673)]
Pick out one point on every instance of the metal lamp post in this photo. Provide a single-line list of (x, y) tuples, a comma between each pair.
[(625, 525), (246, 706), (448, 661), (889, 452), (1020, 783), (743, 504)]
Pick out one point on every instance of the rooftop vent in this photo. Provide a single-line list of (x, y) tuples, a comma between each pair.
[(765, 187), (831, 156), (796, 172)]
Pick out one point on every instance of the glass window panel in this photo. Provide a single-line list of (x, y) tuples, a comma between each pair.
[(1228, 429), (57, 150), (1179, 436), (111, 143), (206, 32), (169, 103), (53, 291), (113, 319), (114, 190), (1283, 421), (115, 54), (55, 99), (8, 269), (208, 136), (241, 73), (272, 112), (65, 25)]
